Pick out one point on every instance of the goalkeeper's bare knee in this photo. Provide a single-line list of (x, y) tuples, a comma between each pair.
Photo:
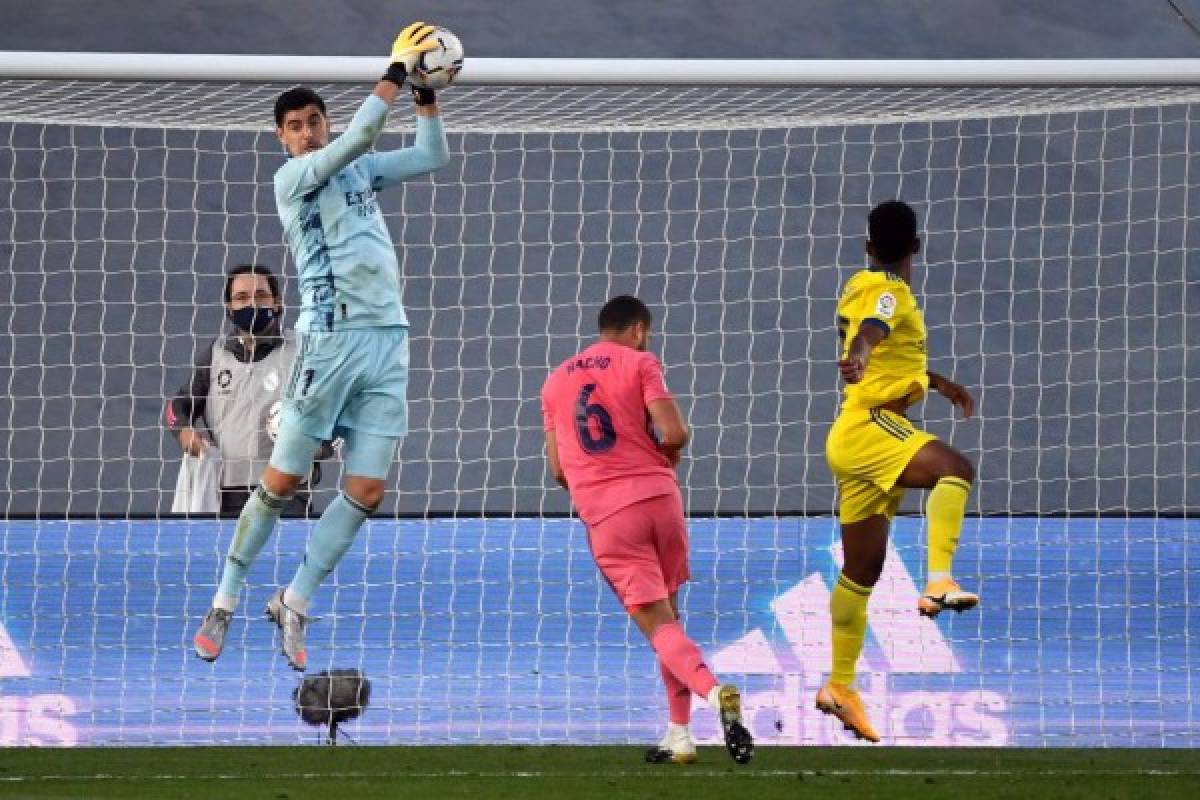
[(280, 484), (365, 492)]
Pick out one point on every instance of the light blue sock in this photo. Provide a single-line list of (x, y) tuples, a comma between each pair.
[(254, 527), (330, 539)]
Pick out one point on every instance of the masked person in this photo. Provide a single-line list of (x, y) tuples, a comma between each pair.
[(233, 396)]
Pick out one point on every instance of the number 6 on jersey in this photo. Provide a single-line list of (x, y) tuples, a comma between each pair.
[(588, 413)]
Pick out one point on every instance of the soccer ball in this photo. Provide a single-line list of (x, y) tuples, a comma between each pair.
[(438, 68)]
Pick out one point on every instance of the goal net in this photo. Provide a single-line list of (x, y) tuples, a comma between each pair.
[(1058, 278)]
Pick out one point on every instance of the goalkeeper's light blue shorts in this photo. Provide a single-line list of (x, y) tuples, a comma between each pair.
[(351, 384)]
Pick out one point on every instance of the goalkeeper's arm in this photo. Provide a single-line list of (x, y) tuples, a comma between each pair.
[(428, 153), (368, 122), (430, 150), (359, 137)]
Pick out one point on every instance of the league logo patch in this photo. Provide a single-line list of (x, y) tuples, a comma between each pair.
[(885, 306)]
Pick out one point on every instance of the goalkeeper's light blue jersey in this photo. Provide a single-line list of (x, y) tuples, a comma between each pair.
[(349, 276)]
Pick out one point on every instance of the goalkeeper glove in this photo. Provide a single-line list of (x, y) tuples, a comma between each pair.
[(407, 49)]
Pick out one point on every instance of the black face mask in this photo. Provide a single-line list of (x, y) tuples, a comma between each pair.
[(253, 320)]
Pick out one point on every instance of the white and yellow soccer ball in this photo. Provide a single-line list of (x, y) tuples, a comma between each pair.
[(437, 68)]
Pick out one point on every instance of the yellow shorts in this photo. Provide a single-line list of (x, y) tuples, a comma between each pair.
[(867, 450)]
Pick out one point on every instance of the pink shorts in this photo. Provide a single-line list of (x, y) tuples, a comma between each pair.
[(642, 550)]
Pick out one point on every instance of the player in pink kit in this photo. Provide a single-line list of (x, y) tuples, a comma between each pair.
[(613, 438)]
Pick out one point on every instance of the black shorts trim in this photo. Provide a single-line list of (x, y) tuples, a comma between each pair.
[(892, 428)]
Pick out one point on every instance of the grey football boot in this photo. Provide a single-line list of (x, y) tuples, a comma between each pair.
[(209, 640), (292, 624)]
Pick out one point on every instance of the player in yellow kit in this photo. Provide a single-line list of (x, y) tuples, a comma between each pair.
[(875, 453)]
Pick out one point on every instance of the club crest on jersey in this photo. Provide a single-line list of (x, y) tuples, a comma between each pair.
[(885, 306), (271, 381), (224, 378)]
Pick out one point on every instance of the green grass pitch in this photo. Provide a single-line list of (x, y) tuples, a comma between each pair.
[(567, 773)]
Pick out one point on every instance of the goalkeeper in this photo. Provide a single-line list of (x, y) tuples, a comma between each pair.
[(350, 375), (875, 452)]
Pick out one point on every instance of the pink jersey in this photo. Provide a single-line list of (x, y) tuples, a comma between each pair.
[(595, 403)]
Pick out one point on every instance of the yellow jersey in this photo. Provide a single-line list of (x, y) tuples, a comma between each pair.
[(897, 366)]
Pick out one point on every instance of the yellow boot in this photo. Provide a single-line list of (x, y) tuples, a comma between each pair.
[(944, 594), (844, 703)]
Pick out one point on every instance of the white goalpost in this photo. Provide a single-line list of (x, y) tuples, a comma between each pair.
[(1058, 207)]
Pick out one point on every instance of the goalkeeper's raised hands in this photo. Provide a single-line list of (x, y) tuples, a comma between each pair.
[(411, 43), (406, 51)]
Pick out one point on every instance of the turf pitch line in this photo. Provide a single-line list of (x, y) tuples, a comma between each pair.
[(674, 771)]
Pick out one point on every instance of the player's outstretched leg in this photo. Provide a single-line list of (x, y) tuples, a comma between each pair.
[(864, 543), (331, 538), (682, 657), (948, 474), (642, 552), (254, 527), (335, 531), (944, 512), (838, 697)]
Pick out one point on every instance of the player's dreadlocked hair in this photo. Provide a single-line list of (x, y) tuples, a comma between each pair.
[(892, 231)]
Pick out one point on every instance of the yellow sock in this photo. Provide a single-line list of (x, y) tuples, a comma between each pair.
[(848, 609), (944, 515)]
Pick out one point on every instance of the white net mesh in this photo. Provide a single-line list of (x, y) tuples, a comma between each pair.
[(1056, 281), (588, 109)]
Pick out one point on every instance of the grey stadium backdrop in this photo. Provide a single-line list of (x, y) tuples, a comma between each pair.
[(1058, 281)]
